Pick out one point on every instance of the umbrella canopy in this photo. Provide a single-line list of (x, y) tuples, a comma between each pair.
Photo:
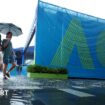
[(9, 27)]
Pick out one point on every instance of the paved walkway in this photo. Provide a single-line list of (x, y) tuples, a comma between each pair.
[(25, 91)]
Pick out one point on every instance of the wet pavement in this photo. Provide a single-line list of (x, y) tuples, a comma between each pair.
[(26, 91)]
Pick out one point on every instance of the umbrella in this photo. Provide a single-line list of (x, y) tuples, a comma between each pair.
[(9, 27)]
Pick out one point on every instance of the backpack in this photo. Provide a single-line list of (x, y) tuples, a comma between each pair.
[(2, 45)]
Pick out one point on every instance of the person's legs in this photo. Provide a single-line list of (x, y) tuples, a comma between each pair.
[(20, 69), (4, 70), (1, 67), (17, 68), (1, 60), (5, 63), (12, 67), (12, 61)]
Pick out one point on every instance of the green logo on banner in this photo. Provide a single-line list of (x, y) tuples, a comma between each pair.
[(73, 36), (101, 48)]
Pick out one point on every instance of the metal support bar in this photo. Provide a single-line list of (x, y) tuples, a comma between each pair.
[(29, 41)]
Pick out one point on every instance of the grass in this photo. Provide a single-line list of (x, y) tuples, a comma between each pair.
[(37, 71), (47, 75)]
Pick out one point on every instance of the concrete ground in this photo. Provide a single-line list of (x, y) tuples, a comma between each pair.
[(25, 91)]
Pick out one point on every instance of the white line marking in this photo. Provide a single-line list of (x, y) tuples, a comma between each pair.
[(77, 93), (79, 87)]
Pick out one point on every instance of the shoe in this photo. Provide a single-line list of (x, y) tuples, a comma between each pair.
[(8, 75), (5, 78)]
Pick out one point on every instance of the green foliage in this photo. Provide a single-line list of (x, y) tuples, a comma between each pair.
[(43, 69)]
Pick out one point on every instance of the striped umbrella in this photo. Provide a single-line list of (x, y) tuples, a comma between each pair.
[(9, 27)]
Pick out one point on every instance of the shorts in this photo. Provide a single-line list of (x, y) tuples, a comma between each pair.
[(7, 60)]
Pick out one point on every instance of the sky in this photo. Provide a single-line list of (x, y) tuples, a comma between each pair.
[(22, 13), (90, 7)]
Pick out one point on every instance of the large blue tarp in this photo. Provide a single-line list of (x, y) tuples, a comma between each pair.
[(65, 38)]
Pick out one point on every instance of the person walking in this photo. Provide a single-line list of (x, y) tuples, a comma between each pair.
[(1, 55), (1, 59), (8, 55)]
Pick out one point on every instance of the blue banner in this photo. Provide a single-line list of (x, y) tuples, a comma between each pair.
[(72, 40)]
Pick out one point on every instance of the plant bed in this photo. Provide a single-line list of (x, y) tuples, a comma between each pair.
[(36, 71), (46, 75)]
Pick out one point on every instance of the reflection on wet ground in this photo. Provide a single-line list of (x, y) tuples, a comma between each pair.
[(26, 91), (50, 97), (22, 82)]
